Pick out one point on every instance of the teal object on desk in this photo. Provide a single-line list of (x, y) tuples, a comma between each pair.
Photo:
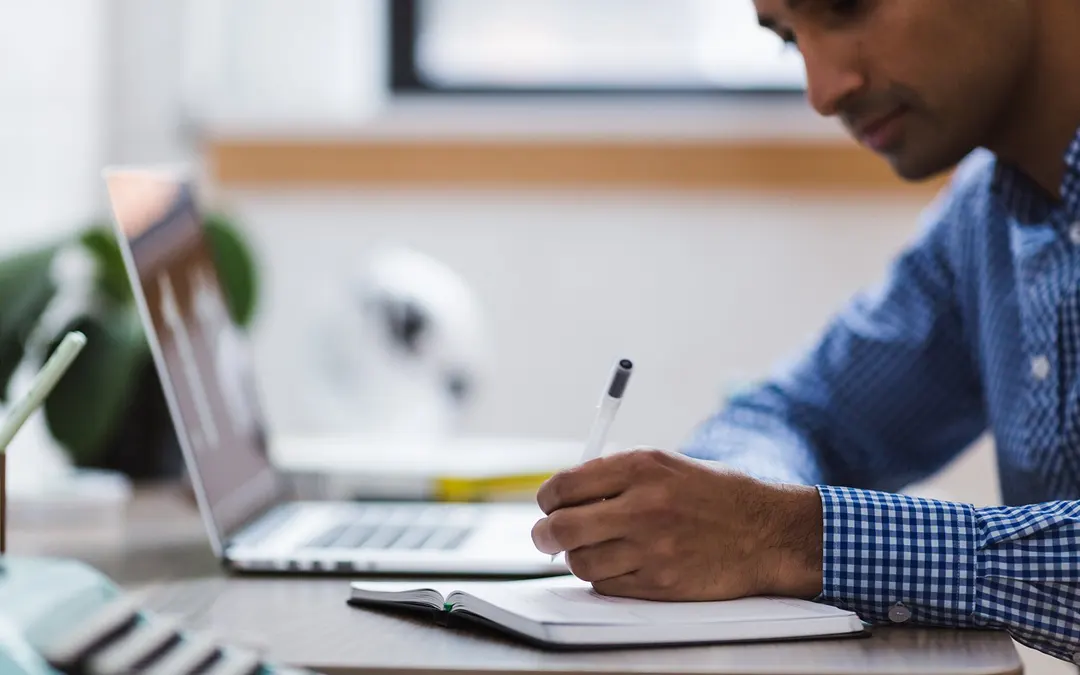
[(40, 600), (60, 617)]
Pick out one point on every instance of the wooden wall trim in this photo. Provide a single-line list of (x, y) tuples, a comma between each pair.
[(707, 164)]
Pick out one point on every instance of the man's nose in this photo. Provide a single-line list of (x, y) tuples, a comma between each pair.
[(831, 77)]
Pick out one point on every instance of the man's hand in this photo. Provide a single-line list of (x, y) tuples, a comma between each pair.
[(661, 526)]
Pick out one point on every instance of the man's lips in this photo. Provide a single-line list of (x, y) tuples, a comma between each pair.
[(882, 132)]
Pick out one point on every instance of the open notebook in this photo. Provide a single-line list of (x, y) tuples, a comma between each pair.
[(566, 612)]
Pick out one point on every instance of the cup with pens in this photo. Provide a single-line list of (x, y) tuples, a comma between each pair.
[(44, 382)]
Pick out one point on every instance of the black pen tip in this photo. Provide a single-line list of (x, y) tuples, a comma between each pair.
[(620, 378)]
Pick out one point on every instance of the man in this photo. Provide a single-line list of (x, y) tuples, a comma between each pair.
[(789, 490)]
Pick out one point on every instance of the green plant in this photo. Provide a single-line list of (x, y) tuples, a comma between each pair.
[(111, 385)]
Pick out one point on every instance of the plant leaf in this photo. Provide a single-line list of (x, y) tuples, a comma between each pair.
[(26, 288), (236, 268), (91, 399), (112, 276)]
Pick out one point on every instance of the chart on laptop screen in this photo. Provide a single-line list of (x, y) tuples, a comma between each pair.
[(205, 361)]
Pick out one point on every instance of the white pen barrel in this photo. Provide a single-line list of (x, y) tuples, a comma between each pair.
[(594, 446)]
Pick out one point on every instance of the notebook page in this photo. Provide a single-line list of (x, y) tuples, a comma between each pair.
[(402, 591), (567, 600)]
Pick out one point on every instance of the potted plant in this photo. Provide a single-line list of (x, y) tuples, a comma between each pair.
[(108, 411)]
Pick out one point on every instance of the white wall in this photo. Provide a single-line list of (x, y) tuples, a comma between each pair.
[(52, 97), (148, 118), (700, 289)]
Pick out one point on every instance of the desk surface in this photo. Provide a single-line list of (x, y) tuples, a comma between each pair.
[(160, 536), (306, 622)]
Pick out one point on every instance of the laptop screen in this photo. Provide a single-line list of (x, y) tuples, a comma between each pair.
[(202, 359)]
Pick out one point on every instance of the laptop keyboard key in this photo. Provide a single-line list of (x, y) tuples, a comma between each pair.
[(355, 536), (327, 537), (415, 537), (447, 538), (398, 528), (383, 537), (456, 540)]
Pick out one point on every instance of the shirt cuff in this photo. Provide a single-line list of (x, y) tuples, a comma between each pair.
[(898, 558)]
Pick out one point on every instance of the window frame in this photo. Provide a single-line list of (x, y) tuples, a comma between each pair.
[(403, 27)]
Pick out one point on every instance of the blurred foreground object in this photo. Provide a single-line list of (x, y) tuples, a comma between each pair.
[(60, 616)]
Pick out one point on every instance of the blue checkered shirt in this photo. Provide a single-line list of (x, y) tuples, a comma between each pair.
[(975, 328)]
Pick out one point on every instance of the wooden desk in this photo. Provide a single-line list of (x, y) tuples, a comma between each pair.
[(160, 537), (305, 622)]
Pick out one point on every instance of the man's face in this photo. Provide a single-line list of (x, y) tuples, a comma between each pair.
[(921, 82)]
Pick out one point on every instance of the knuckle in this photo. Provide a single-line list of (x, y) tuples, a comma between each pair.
[(644, 461), (656, 500), (655, 455), (645, 457), (563, 529), (582, 565), (638, 463), (552, 492), (607, 587), (664, 548)]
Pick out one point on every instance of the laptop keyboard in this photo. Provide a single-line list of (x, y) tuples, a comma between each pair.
[(400, 529)]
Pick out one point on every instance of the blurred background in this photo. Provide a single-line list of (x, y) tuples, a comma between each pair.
[(591, 179), (602, 179)]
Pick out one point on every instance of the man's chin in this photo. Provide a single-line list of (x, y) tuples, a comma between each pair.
[(917, 169), (914, 166)]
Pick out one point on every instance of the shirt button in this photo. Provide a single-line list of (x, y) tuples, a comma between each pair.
[(1040, 367), (1074, 233), (899, 613)]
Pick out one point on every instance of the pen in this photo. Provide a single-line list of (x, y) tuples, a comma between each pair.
[(605, 412), (54, 368)]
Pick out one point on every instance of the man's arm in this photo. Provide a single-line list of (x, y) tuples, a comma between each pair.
[(888, 394), (661, 526), (903, 559)]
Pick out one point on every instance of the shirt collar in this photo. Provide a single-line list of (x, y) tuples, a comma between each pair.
[(1026, 201)]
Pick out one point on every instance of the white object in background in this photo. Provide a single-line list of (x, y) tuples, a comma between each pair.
[(398, 349)]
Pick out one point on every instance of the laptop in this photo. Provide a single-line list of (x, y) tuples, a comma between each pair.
[(204, 365)]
